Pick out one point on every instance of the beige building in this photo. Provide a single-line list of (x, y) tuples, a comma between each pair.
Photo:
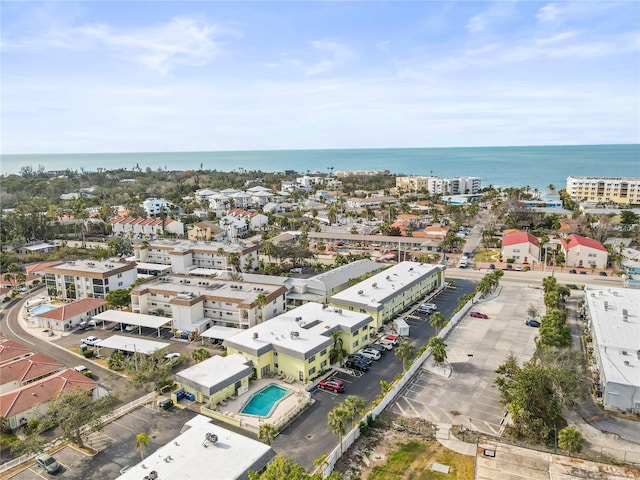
[(200, 302), (88, 278), (437, 185), (621, 190), (584, 252), (184, 255)]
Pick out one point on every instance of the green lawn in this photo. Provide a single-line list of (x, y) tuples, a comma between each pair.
[(490, 255), (413, 460)]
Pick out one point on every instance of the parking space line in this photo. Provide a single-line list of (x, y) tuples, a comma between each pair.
[(411, 406), (120, 425), (397, 404), (36, 470)]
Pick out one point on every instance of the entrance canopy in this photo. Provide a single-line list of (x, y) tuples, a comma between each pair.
[(134, 345), (135, 319)]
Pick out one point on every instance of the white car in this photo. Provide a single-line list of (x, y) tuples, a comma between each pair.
[(171, 356), (369, 353), (386, 345), (431, 306), (91, 341), (80, 368)]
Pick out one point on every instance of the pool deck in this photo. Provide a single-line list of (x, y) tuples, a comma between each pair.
[(283, 410)]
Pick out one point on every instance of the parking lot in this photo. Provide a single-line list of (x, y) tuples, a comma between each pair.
[(463, 392), (116, 445)]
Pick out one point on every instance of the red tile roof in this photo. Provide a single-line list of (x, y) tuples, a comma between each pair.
[(24, 398), (518, 238), (574, 240), (28, 368), (10, 350), (73, 309)]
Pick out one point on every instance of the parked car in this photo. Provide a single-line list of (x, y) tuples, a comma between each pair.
[(518, 268), (509, 266), (91, 341), (357, 365), (333, 385), (372, 354), (478, 315), (131, 328), (358, 357), (603, 274), (376, 346), (47, 463), (492, 266), (582, 272), (296, 270), (392, 339), (423, 310), (386, 346), (171, 356), (80, 368), (532, 323), (573, 270)]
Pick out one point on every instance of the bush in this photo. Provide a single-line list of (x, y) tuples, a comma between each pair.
[(88, 353), (511, 260)]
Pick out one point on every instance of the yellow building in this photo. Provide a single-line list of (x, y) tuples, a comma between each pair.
[(621, 190), (389, 292), (297, 345)]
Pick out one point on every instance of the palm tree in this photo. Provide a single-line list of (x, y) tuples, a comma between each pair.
[(437, 321), (337, 351), (267, 433), (570, 439), (404, 352), (200, 354), (142, 441), (262, 300), (355, 406), (438, 349), (337, 422)]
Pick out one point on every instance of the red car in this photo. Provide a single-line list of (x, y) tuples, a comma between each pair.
[(333, 385), (478, 315)]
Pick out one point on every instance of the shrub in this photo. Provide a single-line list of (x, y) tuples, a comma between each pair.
[(87, 353)]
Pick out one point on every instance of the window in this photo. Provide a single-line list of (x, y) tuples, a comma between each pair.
[(355, 344), (312, 359), (323, 364), (312, 371), (323, 352)]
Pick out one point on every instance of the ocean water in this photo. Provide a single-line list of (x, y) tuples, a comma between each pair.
[(536, 167)]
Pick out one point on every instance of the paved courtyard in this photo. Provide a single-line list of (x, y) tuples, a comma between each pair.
[(462, 392)]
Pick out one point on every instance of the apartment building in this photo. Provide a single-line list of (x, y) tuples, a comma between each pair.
[(200, 303), (612, 315), (138, 227), (385, 294), (437, 185), (185, 255), (89, 278), (583, 252), (620, 190), (298, 343)]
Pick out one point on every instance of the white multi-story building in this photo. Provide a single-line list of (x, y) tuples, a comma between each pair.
[(201, 302), (612, 314), (155, 206), (184, 255), (437, 185), (622, 190), (131, 226), (89, 278)]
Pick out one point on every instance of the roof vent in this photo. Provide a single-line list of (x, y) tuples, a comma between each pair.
[(360, 292), (294, 334), (255, 335), (606, 305), (325, 306), (624, 352), (625, 312), (388, 277), (209, 439), (375, 285), (339, 311), (626, 362), (298, 319)]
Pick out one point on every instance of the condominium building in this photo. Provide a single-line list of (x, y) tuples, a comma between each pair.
[(200, 302), (298, 343), (88, 278), (184, 255), (437, 185), (612, 315), (621, 190), (385, 294)]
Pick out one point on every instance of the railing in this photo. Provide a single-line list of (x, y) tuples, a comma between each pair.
[(109, 417)]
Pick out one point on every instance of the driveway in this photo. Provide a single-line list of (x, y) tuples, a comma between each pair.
[(463, 392)]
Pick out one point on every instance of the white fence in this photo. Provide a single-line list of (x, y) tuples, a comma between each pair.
[(109, 417), (398, 386)]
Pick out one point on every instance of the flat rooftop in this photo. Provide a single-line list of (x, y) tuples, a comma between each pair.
[(190, 456)]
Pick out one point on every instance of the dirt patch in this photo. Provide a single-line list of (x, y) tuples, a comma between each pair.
[(401, 449)]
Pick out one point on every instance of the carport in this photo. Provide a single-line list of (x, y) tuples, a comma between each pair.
[(137, 319), (132, 345), (218, 332)]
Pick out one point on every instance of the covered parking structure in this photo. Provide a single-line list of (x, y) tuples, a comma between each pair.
[(218, 332), (132, 345), (136, 319)]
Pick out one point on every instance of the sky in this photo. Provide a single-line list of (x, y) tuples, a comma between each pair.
[(120, 76)]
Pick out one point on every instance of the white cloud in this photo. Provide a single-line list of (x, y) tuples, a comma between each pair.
[(334, 54), (496, 13), (182, 41)]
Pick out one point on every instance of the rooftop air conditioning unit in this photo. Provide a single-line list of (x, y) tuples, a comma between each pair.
[(411, 269), (625, 312), (375, 285), (626, 362), (255, 335), (298, 319), (360, 292), (239, 287), (388, 277), (325, 306)]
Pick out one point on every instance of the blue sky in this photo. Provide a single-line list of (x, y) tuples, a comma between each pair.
[(195, 76)]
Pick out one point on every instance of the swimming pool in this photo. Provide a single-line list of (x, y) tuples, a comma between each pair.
[(262, 403), (41, 309)]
